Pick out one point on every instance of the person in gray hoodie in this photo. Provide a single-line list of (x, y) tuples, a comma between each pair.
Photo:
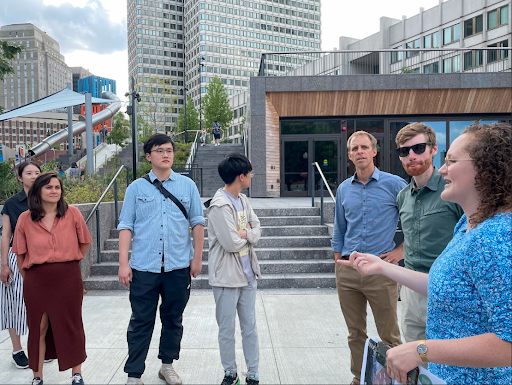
[(233, 269)]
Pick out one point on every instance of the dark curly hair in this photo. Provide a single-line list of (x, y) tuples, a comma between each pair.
[(491, 150)]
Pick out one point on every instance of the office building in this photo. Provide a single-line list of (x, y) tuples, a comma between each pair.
[(39, 70), (79, 73), (171, 41)]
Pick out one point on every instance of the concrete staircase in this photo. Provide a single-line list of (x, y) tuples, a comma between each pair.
[(208, 158), (294, 252)]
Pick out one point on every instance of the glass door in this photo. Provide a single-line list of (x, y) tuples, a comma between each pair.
[(327, 155), (295, 166)]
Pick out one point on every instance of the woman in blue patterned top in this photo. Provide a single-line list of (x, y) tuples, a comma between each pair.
[(469, 318)]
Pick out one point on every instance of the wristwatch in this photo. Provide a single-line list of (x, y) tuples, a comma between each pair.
[(422, 350)]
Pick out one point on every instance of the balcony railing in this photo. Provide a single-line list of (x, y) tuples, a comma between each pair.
[(389, 61)]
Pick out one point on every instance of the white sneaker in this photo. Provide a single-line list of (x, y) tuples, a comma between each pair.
[(168, 374), (134, 381)]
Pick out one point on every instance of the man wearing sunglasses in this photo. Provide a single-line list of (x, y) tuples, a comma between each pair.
[(427, 220)]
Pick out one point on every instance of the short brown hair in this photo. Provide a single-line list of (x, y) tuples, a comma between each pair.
[(413, 129), (490, 151), (357, 133), (34, 197)]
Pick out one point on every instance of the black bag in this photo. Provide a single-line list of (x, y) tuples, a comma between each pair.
[(167, 194)]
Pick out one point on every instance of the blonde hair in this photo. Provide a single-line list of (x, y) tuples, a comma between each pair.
[(368, 135), (413, 129)]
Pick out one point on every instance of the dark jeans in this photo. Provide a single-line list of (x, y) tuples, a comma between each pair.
[(145, 289)]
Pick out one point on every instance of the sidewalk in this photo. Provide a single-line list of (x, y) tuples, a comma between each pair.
[(302, 335)]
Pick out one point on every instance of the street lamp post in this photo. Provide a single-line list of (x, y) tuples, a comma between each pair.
[(185, 116), (200, 91)]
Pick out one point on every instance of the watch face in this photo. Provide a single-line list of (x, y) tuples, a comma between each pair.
[(422, 349)]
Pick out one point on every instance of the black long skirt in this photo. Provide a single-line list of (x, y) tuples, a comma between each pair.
[(57, 290)]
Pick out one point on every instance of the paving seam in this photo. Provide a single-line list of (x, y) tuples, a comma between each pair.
[(117, 369), (271, 341)]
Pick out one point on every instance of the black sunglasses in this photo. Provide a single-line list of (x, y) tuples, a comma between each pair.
[(417, 148)]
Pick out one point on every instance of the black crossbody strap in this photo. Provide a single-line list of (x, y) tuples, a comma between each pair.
[(167, 194)]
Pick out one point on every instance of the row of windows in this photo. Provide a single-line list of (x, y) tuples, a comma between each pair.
[(158, 71), (149, 51), (471, 59), (152, 32), (251, 44), (164, 44), (228, 71), (156, 4), (153, 23), (163, 15), (269, 8), (221, 19), (232, 31), (451, 34), (152, 80), (168, 63)]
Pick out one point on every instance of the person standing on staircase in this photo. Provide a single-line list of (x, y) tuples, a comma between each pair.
[(158, 212), (233, 229), (365, 218), (216, 132)]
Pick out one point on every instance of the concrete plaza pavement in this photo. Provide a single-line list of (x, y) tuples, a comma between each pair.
[(302, 336)]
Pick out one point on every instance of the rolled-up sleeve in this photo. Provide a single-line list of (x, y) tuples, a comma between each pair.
[(196, 215), (82, 232), (127, 217), (19, 244)]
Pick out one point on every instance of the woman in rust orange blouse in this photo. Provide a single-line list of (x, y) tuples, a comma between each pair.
[(50, 240)]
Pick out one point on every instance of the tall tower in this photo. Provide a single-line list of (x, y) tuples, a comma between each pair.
[(39, 70), (168, 40)]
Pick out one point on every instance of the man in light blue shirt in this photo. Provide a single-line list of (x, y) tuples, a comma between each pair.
[(365, 220), (163, 258)]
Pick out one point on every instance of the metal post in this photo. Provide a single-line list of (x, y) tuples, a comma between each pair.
[(70, 126), (201, 181), (134, 130), (116, 221), (89, 134), (185, 95), (312, 178), (321, 201), (98, 239), (127, 177)]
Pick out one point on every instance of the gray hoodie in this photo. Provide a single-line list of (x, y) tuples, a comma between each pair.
[(224, 266)]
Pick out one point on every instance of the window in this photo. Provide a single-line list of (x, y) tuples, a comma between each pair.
[(451, 64), (432, 68), (431, 41), (496, 55), (473, 26), (473, 59), (396, 56), (413, 44), (497, 17), (451, 34)]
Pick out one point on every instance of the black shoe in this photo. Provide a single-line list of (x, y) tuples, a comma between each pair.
[(251, 381), (231, 379), (77, 379), (37, 381), (20, 360)]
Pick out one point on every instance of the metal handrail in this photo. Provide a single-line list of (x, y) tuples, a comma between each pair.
[(97, 211), (325, 181), (193, 150)]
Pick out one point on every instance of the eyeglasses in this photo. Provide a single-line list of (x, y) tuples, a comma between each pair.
[(449, 162), (417, 148), (162, 152)]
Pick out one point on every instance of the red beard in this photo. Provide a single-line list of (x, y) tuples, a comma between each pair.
[(421, 167)]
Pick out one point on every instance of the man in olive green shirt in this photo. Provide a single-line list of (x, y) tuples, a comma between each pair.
[(427, 220)]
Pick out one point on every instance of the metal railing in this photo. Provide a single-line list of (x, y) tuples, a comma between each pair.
[(193, 150), (313, 185), (386, 61), (96, 209), (191, 171)]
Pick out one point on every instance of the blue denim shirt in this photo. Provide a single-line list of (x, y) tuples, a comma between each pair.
[(366, 215), (158, 225)]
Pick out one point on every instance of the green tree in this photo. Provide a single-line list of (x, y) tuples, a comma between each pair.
[(192, 118), (158, 101), (8, 52), (120, 131), (216, 105)]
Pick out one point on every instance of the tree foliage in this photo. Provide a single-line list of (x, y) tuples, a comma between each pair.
[(120, 131), (215, 105), (192, 117), (8, 52), (158, 101)]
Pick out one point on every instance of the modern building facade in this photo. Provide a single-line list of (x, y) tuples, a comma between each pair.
[(79, 73), (173, 44), (96, 85), (39, 70)]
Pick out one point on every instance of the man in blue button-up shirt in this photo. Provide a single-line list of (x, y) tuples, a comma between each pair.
[(366, 216), (163, 258)]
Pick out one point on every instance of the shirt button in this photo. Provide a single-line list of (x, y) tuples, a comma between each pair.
[(418, 201), (364, 214)]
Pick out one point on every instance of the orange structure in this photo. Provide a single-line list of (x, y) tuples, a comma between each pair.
[(95, 109)]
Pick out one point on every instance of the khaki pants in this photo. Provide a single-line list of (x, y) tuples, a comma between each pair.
[(354, 292), (414, 316)]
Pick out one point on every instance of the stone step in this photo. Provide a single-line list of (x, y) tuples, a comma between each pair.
[(270, 281), (278, 231), (314, 253), (264, 242), (267, 267)]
